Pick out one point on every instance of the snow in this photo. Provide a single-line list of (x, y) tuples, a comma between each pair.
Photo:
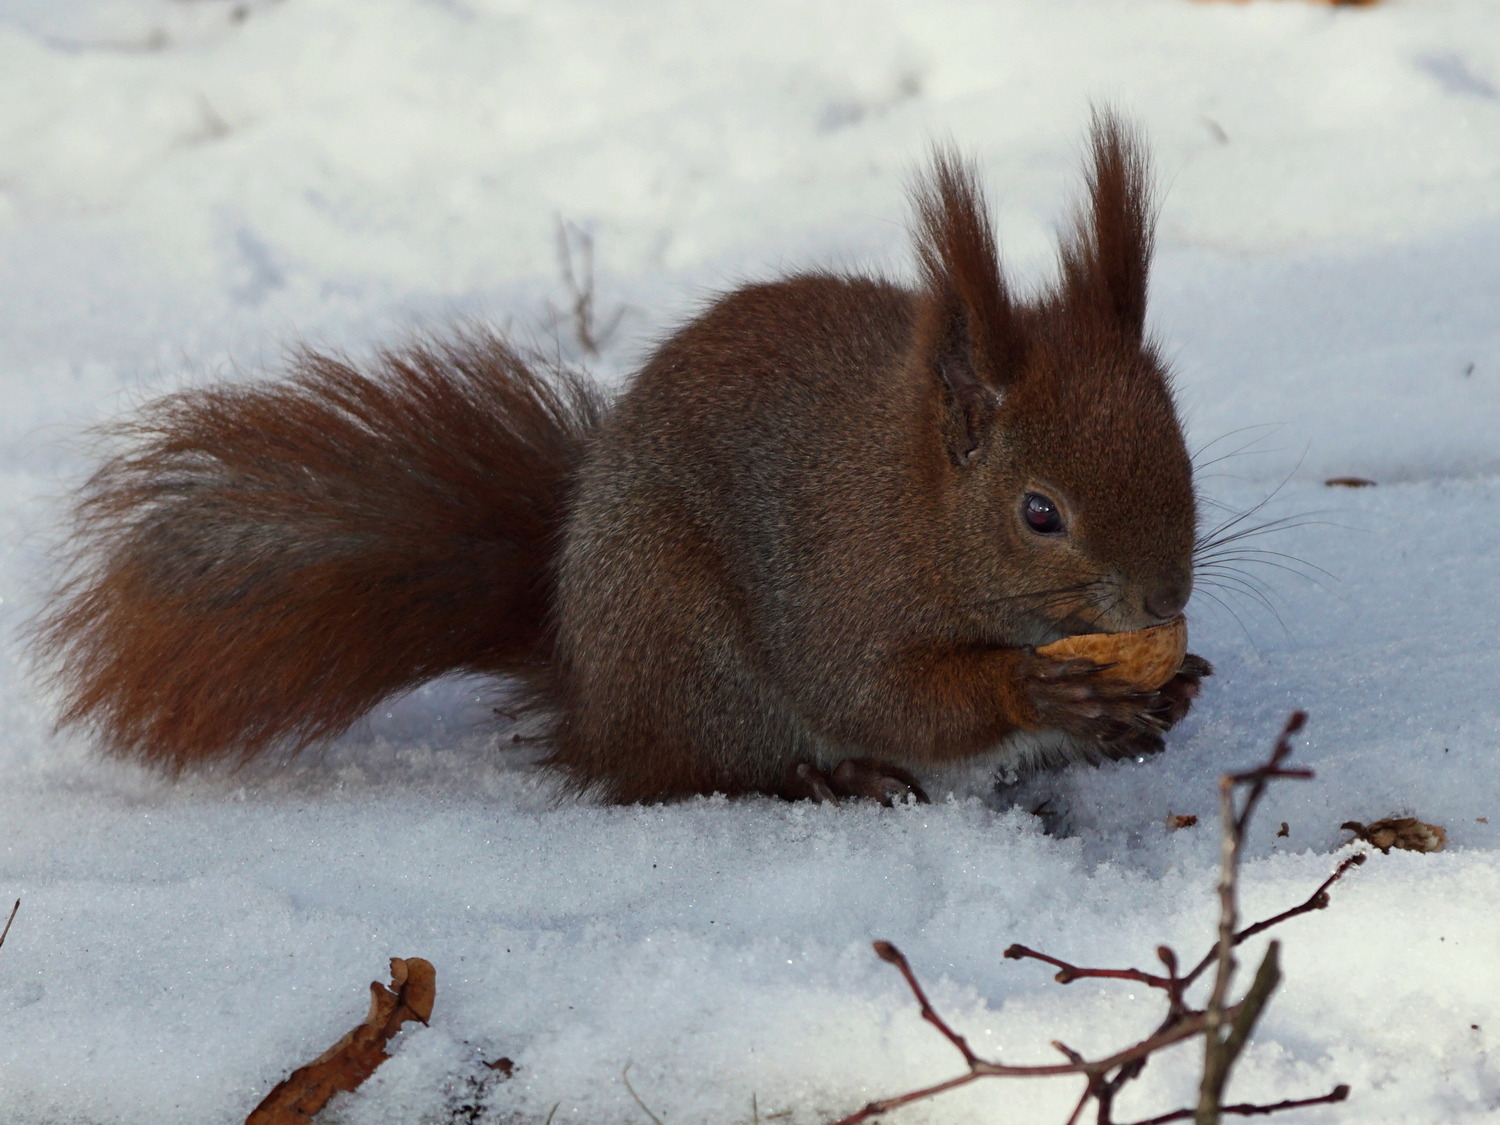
[(189, 186)]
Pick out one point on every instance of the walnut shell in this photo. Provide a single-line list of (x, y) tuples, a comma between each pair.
[(1146, 658)]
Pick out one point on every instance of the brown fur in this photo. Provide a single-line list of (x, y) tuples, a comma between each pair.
[(797, 537), (265, 564), (796, 540)]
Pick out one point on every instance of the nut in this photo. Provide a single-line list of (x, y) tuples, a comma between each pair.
[(1146, 658)]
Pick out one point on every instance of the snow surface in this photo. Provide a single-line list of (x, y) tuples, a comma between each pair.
[(187, 186)]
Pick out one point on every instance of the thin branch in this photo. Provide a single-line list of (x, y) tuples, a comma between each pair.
[(1220, 1054), (1318, 900), (625, 1078), (889, 953), (1175, 984), (1220, 1051), (1172, 984), (1337, 1094), (1069, 973), (591, 337), (9, 920), (1225, 1027), (1267, 977), (1234, 829), (1216, 1061), (1083, 1101), (1187, 1028)]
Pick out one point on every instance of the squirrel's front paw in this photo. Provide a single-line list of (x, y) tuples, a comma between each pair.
[(1168, 704), (1076, 697), (1175, 697), (853, 777)]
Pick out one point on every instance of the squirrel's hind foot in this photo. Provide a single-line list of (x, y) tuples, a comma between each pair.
[(853, 777)]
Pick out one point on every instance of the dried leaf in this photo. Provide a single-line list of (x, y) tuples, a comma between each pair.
[(1404, 832), (297, 1099), (1349, 482), (1182, 820)]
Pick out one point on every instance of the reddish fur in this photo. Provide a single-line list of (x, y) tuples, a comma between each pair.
[(265, 564), (795, 540), (961, 269), (1105, 259), (795, 537)]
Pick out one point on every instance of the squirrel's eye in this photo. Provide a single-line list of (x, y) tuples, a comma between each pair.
[(1041, 514)]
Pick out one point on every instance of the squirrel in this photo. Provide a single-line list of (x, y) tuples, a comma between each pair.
[(810, 548)]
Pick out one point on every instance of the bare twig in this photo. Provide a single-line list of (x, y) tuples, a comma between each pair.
[(580, 283), (1220, 1051), (1184, 1029), (1316, 901), (1337, 1094), (1175, 985), (9, 920), (888, 952), (1069, 973), (625, 1078), (1225, 1026)]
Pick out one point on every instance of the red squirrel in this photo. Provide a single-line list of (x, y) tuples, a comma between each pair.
[(811, 547)]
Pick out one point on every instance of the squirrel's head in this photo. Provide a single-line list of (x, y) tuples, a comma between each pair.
[(1068, 484)]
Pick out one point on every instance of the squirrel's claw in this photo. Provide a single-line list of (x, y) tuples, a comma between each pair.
[(1166, 709), (1074, 696), (1175, 697), (806, 782), (879, 781), (853, 777), (1132, 744)]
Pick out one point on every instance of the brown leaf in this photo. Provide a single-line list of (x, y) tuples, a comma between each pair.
[(1349, 482), (1404, 832), (297, 1099), (1181, 820)]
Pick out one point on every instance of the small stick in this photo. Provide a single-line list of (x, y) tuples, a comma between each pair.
[(1243, 1109), (9, 920), (1225, 1027), (1318, 900), (890, 954), (1071, 973), (625, 1078), (590, 338), (1220, 1051)]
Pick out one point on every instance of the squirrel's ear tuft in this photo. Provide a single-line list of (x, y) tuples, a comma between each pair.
[(967, 333), (1106, 257)]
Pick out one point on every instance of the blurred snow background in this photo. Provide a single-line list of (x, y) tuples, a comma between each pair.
[(189, 186)]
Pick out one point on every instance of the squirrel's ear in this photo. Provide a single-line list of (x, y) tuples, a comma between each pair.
[(1106, 257), (967, 336)]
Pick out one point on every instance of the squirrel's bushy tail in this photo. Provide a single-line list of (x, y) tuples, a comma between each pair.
[(264, 564)]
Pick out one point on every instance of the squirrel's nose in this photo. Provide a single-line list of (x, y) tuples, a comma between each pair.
[(1167, 600)]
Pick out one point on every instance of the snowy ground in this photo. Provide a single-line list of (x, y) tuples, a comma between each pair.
[(187, 185)]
